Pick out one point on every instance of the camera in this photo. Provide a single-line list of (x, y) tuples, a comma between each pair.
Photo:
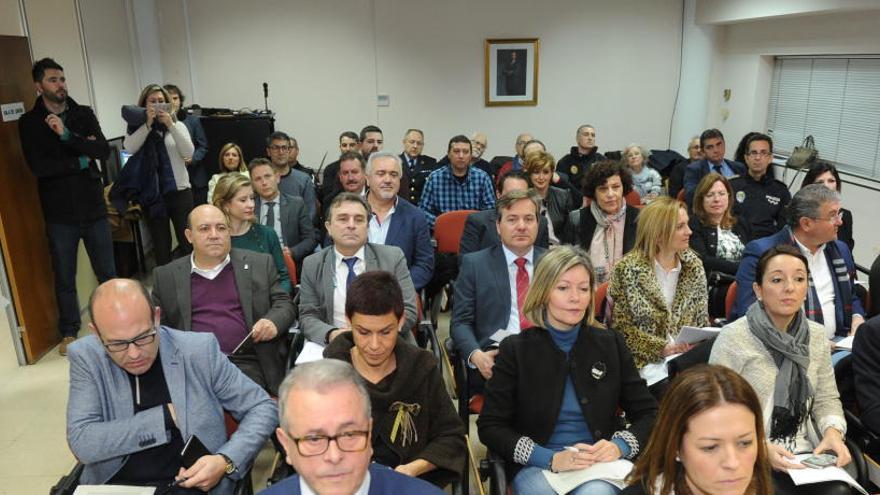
[(165, 107)]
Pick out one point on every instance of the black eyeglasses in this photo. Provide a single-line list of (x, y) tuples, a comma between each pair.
[(122, 345), (347, 441)]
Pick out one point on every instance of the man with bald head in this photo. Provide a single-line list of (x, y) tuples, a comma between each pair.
[(234, 294), (139, 390), (519, 158)]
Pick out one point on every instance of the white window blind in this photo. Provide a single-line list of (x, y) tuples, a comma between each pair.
[(834, 99)]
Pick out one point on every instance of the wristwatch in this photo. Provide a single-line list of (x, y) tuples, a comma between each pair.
[(230, 466)]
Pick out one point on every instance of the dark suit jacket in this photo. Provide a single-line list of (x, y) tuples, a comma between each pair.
[(319, 279), (260, 293), (296, 228), (695, 171), (482, 298), (745, 275), (524, 396), (412, 181), (383, 481), (410, 232), (480, 232), (866, 366)]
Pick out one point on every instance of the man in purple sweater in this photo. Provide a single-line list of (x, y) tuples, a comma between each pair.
[(234, 294)]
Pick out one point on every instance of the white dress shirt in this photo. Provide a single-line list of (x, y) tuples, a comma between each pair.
[(264, 215), (209, 273), (339, 285), (510, 257), (668, 281), (824, 283), (378, 232)]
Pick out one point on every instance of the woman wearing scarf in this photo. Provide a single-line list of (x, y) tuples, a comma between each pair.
[(416, 430), (555, 201), (606, 227), (163, 144), (554, 399), (785, 358)]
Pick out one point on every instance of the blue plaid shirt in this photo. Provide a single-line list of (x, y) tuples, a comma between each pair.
[(443, 192)]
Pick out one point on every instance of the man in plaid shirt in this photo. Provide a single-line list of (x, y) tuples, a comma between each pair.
[(457, 186)]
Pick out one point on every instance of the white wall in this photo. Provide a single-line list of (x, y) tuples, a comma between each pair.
[(612, 65), (111, 61), (10, 18), (744, 65), (730, 11)]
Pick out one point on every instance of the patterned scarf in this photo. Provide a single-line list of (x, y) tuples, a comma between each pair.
[(793, 394), (606, 246)]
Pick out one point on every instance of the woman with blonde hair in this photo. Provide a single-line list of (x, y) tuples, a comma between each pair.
[(231, 161), (555, 202), (552, 401), (657, 288), (162, 143), (234, 195), (708, 439)]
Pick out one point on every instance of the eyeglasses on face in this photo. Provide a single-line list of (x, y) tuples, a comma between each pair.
[(139, 341), (276, 147), (833, 217), (347, 441)]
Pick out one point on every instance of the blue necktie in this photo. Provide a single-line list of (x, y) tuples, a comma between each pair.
[(350, 262)]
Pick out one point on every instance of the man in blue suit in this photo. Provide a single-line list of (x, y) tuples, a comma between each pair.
[(395, 221), (492, 283), (138, 391), (712, 144), (814, 217), (325, 430)]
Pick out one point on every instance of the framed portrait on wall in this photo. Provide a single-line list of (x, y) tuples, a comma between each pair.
[(511, 72)]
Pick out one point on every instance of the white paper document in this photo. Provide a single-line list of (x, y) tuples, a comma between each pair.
[(654, 372), (310, 352), (613, 472), (811, 475), (113, 490), (692, 335), (845, 343), (500, 335)]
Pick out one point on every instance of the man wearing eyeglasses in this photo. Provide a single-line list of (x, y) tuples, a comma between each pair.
[(757, 197), (293, 182), (813, 220), (138, 391), (325, 430)]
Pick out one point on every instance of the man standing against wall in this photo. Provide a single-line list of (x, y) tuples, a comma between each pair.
[(61, 141), (416, 166), (577, 162), (198, 176)]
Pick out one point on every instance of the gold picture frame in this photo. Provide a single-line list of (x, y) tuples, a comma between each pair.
[(511, 72)]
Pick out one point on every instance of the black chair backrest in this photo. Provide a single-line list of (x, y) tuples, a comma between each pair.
[(698, 355)]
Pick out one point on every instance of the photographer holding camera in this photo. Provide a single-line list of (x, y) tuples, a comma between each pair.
[(161, 145)]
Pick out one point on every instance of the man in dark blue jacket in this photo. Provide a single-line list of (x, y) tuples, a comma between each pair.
[(814, 217), (712, 144), (61, 141)]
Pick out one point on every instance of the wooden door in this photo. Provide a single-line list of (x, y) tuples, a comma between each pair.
[(22, 231)]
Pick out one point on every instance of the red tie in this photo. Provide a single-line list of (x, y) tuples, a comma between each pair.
[(522, 287)]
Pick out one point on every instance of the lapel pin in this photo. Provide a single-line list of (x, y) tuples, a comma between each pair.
[(598, 370)]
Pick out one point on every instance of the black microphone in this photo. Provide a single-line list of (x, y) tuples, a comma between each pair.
[(266, 96)]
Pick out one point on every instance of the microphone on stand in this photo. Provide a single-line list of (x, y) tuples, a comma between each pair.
[(266, 96)]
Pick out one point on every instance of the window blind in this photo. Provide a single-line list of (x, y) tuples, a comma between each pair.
[(834, 99)]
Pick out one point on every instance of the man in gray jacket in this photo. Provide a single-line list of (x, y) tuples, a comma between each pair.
[(139, 391), (327, 273)]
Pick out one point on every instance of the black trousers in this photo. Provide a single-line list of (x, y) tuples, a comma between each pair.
[(178, 205)]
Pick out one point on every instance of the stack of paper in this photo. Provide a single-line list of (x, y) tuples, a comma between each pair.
[(614, 472), (692, 335), (310, 352)]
